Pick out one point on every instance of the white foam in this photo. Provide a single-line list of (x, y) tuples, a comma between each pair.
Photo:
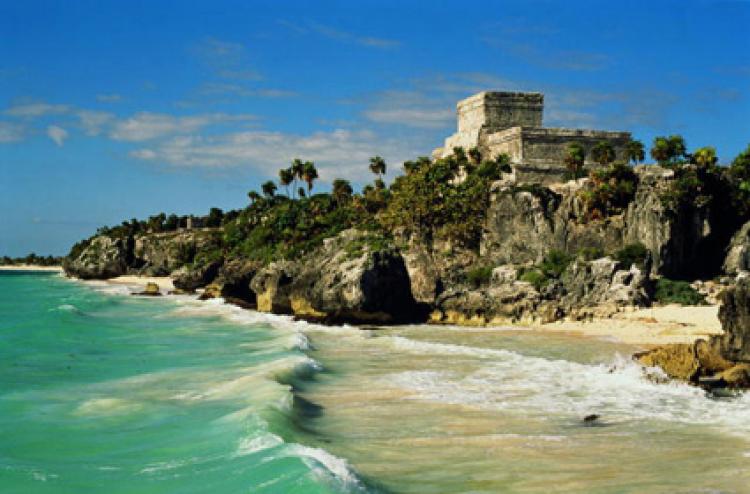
[(511, 381), (325, 465), (255, 444)]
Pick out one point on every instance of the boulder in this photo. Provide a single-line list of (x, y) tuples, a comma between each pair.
[(104, 257), (737, 376), (355, 277), (677, 360), (151, 290)]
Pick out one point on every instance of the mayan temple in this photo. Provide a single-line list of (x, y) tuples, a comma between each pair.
[(511, 122)]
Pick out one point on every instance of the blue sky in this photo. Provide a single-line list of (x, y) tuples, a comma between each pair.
[(113, 110)]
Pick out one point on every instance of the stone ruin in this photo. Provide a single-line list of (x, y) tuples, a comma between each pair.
[(511, 122)]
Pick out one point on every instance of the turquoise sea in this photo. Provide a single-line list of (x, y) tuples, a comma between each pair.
[(101, 392)]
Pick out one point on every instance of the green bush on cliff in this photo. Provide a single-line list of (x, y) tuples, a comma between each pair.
[(551, 268), (609, 191), (535, 277), (479, 275), (636, 253), (677, 292), (430, 200)]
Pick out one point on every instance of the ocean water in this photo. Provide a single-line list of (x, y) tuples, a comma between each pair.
[(102, 392)]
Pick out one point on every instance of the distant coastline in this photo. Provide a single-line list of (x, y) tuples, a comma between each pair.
[(31, 267)]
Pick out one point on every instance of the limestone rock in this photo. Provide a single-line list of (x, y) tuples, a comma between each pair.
[(271, 286), (104, 257), (353, 279), (502, 304), (151, 290), (188, 278), (423, 272), (601, 283), (677, 360), (158, 254), (738, 252), (232, 283), (734, 315), (737, 376)]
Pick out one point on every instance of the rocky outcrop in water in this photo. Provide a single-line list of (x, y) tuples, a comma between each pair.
[(734, 315)]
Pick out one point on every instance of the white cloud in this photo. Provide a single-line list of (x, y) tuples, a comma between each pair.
[(57, 134), (221, 88), (108, 98), (10, 132), (144, 126), (93, 122), (33, 110), (339, 35), (411, 108), (338, 153)]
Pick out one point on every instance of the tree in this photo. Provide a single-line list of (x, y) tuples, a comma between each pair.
[(634, 152), (475, 155), (269, 189), (377, 166), (342, 190), (705, 157), (253, 196), (379, 184), (215, 215), (309, 174), (301, 192), (603, 153), (574, 159), (298, 168), (668, 151), (286, 177), (739, 171)]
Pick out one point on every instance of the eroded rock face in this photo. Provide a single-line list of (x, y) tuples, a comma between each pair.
[(515, 302), (686, 361), (524, 223), (734, 315), (189, 278), (272, 285), (349, 279), (599, 284), (159, 254), (103, 258), (738, 252)]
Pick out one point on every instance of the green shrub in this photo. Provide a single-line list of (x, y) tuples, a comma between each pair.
[(555, 263), (636, 253), (677, 292), (590, 253), (535, 277), (479, 275)]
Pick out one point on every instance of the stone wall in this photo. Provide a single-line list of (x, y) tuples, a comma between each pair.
[(500, 110)]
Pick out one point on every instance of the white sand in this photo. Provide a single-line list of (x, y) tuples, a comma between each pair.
[(164, 282), (652, 326), (31, 267)]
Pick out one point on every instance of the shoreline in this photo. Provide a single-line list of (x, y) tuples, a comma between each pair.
[(32, 267), (647, 327)]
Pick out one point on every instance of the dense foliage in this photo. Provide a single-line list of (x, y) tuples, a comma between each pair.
[(677, 292), (609, 191), (31, 259)]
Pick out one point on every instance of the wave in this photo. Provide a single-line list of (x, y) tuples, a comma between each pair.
[(620, 390)]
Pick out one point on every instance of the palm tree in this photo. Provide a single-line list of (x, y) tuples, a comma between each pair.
[(269, 189), (309, 174), (301, 192), (342, 190), (661, 151), (705, 157), (475, 155), (574, 160), (603, 153), (253, 196), (286, 177), (377, 166), (634, 151), (298, 167)]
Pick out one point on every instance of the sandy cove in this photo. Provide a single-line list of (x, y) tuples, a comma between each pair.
[(139, 282)]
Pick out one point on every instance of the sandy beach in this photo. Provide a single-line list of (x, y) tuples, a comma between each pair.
[(31, 267), (164, 282), (649, 326)]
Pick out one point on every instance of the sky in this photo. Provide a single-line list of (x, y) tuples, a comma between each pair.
[(111, 110)]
